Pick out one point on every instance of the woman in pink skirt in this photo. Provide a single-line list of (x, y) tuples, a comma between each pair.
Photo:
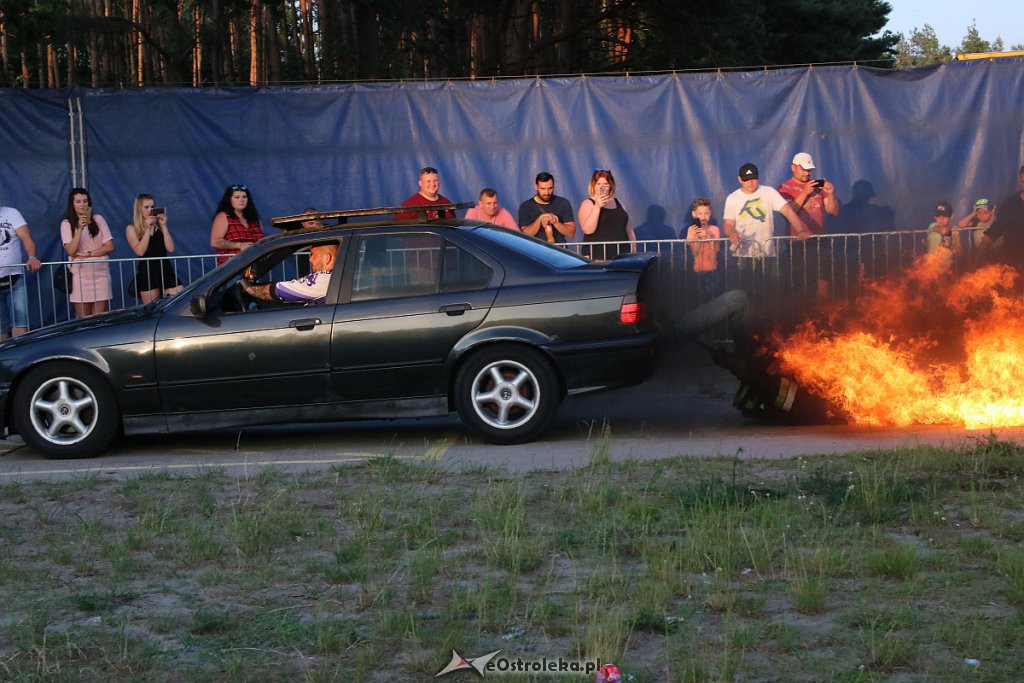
[(87, 240)]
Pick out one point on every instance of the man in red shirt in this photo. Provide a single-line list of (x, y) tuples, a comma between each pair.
[(811, 200), (428, 195)]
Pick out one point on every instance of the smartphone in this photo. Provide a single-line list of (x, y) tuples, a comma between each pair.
[(818, 182), (158, 211)]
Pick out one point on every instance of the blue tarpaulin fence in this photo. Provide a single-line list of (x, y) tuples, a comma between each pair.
[(893, 143)]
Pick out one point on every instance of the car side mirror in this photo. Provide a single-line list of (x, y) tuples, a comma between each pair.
[(198, 306)]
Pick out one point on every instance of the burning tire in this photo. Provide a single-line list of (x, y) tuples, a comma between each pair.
[(767, 394)]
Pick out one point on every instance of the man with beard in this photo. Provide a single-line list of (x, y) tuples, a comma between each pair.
[(546, 215)]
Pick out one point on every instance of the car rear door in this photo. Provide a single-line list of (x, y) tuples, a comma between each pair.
[(408, 297)]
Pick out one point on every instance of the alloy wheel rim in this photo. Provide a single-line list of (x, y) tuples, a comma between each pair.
[(505, 394), (63, 411)]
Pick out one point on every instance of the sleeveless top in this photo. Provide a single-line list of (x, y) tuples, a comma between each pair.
[(239, 232), (611, 227), (156, 247)]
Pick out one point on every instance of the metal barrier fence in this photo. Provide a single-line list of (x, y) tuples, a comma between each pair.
[(779, 286), (48, 304), (784, 285)]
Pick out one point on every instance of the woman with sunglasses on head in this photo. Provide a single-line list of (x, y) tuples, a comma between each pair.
[(236, 223), (603, 219), (150, 238), (87, 240)]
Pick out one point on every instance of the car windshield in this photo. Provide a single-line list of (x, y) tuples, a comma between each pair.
[(549, 254)]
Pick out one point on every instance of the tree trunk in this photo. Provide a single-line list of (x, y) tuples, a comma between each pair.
[(328, 20), (136, 46), (95, 58), (26, 75), (304, 33), (6, 77), (53, 71), (271, 54), (197, 46), (235, 54), (366, 35), (254, 44)]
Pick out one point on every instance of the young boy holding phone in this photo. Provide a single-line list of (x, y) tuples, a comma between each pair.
[(703, 240)]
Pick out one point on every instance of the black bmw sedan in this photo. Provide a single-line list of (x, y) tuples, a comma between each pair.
[(417, 318)]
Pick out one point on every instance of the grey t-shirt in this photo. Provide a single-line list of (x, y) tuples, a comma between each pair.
[(560, 206)]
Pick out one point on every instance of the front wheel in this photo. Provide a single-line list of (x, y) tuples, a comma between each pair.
[(507, 393), (66, 410)]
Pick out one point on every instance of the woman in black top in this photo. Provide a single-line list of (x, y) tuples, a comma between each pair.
[(151, 239), (603, 219)]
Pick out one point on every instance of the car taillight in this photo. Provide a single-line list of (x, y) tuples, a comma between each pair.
[(632, 312)]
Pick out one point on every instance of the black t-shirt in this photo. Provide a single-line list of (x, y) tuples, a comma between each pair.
[(560, 206), (1009, 224)]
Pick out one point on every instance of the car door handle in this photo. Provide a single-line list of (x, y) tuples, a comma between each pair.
[(455, 309), (305, 323)]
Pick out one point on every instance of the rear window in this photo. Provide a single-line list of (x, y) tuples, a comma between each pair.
[(549, 254)]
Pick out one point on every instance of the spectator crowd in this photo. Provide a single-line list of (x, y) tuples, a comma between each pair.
[(746, 234)]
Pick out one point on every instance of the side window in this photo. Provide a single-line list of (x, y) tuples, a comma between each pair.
[(389, 266), (462, 271), (290, 268)]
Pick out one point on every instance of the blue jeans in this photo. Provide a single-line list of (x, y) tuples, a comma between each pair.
[(13, 303)]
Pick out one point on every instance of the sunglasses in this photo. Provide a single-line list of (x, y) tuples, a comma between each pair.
[(602, 170), (244, 188), (428, 169)]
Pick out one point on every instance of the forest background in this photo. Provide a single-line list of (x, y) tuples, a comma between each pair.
[(125, 43)]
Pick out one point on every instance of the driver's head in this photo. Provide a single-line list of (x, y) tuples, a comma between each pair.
[(322, 256)]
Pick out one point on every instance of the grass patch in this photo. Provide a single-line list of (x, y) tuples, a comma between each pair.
[(896, 564)]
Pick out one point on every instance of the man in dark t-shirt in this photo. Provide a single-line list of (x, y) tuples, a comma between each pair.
[(1009, 225), (546, 215)]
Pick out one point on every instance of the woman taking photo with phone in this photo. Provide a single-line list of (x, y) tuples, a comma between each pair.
[(151, 239), (236, 223), (603, 219), (87, 240)]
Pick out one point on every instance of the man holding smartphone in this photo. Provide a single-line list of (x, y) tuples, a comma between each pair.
[(811, 200)]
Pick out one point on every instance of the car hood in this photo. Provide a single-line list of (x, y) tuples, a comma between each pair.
[(93, 322)]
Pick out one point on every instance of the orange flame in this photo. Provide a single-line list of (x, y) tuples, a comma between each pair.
[(925, 348)]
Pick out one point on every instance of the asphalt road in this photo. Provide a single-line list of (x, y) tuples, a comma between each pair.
[(684, 410)]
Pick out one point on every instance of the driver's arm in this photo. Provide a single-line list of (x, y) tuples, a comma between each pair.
[(264, 292)]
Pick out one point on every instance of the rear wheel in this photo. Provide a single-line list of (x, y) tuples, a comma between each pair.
[(507, 393), (66, 410)]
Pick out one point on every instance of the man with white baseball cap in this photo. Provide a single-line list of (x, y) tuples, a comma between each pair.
[(811, 199)]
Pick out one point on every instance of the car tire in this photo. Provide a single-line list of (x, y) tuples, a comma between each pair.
[(66, 410), (507, 393)]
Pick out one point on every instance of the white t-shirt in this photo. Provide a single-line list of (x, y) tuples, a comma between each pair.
[(755, 219), (10, 243), (311, 289)]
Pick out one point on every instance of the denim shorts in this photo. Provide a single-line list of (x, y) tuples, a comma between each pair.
[(13, 304)]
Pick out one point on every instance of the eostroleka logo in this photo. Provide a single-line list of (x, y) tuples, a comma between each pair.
[(459, 663), (493, 664)]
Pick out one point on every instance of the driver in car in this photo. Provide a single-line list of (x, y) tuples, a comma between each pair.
[(311, 289)]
